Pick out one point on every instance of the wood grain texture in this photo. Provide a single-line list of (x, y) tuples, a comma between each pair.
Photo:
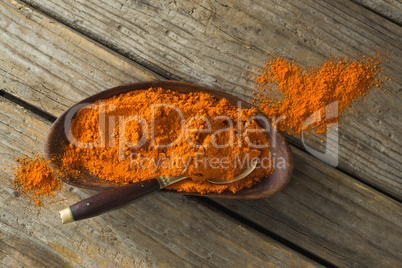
[(336, 217), (162, 230), (51, 67), (389, 9), (19, 16), (219, 44)]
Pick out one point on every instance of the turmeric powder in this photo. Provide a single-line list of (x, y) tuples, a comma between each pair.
[(34, 178), (149, 133), (305, 91), (111, 152)]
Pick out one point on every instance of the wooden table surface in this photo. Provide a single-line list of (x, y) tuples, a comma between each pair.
[(54, 53)]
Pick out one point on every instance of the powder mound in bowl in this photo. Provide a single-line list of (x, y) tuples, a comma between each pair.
[(34, 178), (156, 132)]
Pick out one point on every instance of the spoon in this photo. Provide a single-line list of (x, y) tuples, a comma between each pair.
[(119, 196), (270, 185)]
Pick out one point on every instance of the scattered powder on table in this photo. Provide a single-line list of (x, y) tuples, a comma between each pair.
[(33, 177), (303, 91)]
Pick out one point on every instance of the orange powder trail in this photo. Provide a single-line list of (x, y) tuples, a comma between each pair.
[(33, 177), (305, 91)]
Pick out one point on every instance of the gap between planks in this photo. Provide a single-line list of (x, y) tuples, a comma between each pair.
[(390, 9)]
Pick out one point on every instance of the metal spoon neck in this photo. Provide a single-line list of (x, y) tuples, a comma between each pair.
[(165, 181)]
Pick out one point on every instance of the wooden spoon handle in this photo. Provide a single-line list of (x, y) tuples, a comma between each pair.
[(108, 200)]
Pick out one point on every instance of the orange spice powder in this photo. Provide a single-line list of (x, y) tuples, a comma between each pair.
[(33, 177), (128, 139), (302, 92), (305, 91)]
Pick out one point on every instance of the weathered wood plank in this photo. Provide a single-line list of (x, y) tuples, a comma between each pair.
[(389, 9), (217, 45), (162, 230), (52, 67), (310, 239), (336, 217)]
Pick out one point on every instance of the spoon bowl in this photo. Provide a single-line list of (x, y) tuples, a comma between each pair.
[(275, 182)]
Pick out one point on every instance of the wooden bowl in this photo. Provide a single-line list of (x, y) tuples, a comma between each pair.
[(267, 187)]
